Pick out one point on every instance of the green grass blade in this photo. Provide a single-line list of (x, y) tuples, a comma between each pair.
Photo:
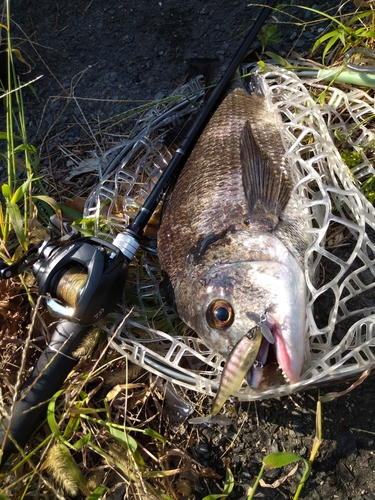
[(280, 459), (81, 443), (123, 438), (97, 493), (154, 435), (331, 42), (7, 193), (21, 191), (48, 201), (51, 415), (228, 487), (324, 14), (17, 223)]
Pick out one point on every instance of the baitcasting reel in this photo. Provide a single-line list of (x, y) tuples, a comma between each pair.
[(81, 280)]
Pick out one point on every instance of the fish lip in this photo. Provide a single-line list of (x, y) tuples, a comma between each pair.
[(284, 358)]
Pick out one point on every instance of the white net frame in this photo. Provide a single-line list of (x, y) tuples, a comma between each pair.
[(341, 342)]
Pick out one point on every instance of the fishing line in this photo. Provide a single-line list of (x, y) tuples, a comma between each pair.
[(71, 284)]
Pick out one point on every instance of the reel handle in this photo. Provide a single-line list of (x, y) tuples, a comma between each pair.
[(54, 365)]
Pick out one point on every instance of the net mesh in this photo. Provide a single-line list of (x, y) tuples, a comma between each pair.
[(339, 264)]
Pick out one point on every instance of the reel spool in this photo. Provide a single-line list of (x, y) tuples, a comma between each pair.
[(70, 285), (71, 277)]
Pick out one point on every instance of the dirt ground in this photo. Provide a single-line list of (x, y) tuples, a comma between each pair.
[(99, 59)]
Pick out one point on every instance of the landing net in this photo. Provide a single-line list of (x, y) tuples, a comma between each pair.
[(339, 265)]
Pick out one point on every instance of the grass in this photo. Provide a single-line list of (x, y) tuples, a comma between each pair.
[(85, 423), (25, 200), (107, 430)]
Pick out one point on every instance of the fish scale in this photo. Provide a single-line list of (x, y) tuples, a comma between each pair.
[(205, 174)]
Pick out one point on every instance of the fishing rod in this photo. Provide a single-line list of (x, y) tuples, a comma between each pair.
[(98, 270)]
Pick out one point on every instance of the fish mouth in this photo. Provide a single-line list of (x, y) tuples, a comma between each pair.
[(265, 368), (274, 360)]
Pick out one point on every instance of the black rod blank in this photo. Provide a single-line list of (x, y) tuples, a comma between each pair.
[(180, 157)]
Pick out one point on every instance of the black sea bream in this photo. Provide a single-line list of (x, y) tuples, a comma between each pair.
[(232, 237)]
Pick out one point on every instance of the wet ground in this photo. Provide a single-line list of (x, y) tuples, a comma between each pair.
[(99, 59)]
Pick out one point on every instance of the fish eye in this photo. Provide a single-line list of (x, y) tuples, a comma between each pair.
[(220, 314)]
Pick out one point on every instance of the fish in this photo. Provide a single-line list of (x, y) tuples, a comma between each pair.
[(232, 237), (238, 364)]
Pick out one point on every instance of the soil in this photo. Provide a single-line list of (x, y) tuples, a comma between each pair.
[(99, 59)]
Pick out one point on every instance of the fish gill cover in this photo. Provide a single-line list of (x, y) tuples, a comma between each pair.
[(338, 264)]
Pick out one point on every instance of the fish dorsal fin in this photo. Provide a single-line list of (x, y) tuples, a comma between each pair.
[(267, 187)]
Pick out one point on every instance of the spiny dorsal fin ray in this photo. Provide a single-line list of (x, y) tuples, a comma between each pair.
[(267, 187)]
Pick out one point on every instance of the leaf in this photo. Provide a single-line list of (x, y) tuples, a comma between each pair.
[(51, 419), (280, 459), (365, 33), (161, 473), (72, 426), (280, 480), (112, 394), (123, 437), (17, 223), (280, 60), (359, 16), (5, 189), (71, 213), (21, 190), (21, 148), (228, 487), (338, 136), (321, 40), (51, 415), (82, 442), (2, 223), (129, 442), (18, 54), (333, 395), (342, 37), (333, 19), (49, 201), (85, 411), (154, 434), (97, 493), (329, 45)]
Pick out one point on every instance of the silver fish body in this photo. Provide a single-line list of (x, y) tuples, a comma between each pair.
[(232, 238)]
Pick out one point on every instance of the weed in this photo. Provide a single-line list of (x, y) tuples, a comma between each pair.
[(24, 198), (357, 31), (269, 34)]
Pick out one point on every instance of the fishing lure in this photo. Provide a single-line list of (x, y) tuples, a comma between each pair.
[(239, 363)]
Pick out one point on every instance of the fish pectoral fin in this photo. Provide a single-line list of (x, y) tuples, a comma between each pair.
[(267, 186)]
